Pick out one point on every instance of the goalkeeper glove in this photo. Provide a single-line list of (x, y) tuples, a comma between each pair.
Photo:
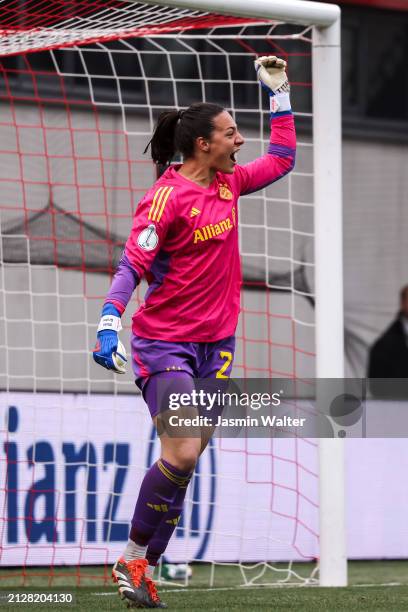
[(271, 72), (109, 352)]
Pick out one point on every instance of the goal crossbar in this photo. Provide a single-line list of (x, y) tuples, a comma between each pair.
[(291, 11)]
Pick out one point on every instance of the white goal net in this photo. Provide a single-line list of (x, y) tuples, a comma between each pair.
[(81, 86)]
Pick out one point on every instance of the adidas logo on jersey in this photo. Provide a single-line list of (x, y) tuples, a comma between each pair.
[(194, 212)]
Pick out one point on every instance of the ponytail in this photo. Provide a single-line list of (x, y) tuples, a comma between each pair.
[(162, 142), (177, 131)]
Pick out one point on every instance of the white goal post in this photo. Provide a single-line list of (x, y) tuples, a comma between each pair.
[(326, 73)]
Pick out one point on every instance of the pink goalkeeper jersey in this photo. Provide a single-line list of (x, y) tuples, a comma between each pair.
[(184, 239)]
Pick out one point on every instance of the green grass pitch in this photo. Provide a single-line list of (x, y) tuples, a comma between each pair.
[(374, 586)]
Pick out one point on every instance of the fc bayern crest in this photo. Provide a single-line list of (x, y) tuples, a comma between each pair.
[(225, 192), (148, 238)]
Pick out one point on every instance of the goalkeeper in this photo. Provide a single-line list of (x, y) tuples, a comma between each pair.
[(184, 239)]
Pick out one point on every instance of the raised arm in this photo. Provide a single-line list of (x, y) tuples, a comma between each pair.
[(280, 157)]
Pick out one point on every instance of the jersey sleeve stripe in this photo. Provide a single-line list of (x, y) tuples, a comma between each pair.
[(166, 197), (159, 201), (153, 206)]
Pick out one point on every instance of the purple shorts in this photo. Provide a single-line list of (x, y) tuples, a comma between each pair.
[(179, 362)]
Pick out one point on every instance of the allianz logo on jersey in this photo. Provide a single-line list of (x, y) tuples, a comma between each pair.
[(195, 526), (206, 232)]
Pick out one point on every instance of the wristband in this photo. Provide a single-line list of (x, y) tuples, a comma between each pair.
[(109, 322), (280, 103)]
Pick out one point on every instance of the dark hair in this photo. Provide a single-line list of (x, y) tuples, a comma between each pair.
[(176, 131)]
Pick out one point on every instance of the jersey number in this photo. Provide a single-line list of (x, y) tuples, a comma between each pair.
[(228, 358)]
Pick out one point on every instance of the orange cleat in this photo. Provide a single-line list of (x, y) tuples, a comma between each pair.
[(155, 601), (132, 582)]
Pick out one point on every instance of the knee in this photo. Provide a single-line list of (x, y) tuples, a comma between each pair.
[(184, 456), (186, 461)]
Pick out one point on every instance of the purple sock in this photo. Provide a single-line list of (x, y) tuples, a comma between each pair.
[(163, 533), (156, 496)]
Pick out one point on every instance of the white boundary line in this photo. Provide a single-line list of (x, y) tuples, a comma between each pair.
[(244, 588)]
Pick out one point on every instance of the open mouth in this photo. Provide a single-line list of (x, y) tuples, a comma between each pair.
[(233, 158)]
